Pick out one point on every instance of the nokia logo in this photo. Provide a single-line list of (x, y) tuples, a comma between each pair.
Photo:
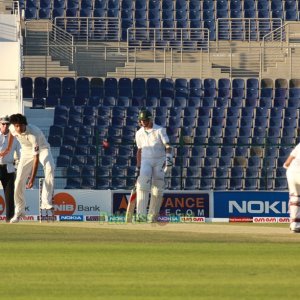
[(258, 207)]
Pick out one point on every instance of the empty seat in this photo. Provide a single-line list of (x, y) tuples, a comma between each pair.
[(153, 88), (40, 87), (206, 183), (27, 87), (280, 184)]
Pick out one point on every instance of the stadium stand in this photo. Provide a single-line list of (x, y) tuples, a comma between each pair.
[(220, 118)]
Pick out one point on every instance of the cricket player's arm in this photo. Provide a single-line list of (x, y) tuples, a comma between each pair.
[(138, 157), (34, 171), (9, 145), (288, 161), (168, 148)]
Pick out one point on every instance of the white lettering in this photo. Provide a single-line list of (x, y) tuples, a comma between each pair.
[(258, 207), (64, 207)]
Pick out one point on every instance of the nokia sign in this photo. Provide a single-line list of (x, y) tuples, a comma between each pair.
[(257, 207), (250, 204)]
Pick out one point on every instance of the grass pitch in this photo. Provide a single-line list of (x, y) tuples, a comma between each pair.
[(180, 261)]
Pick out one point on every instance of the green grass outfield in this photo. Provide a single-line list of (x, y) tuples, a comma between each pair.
[(176, 261)]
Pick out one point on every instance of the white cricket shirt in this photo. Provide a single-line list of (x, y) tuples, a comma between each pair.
[(32, 140), (152, 141), (295, 164)]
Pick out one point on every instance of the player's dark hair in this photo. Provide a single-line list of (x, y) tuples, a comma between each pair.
[(18, 119)]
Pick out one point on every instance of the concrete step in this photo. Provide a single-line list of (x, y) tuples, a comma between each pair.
[(35, 66)]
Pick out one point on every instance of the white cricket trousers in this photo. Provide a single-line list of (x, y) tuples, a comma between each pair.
[(293, 179), (152, 169), (24, 171)]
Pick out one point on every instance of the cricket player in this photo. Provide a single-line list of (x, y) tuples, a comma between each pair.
[(34, 149), (154, 158), (292, 164), (7, 167)]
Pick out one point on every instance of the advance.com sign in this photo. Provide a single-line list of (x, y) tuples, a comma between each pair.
[(250, 204)]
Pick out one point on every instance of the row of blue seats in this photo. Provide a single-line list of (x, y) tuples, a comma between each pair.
[(40, 87), (176, 183), (203, 112), (219, 178), (211, 10), (190, 163), (185, 155), (167, 4)]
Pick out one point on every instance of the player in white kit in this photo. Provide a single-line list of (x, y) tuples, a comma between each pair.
[(34, 149), (154, 158), (292, 164)]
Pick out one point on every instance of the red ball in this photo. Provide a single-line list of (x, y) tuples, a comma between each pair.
[(105, 144)]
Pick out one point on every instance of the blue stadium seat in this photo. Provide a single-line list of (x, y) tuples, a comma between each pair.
[(31, 13), (59, 4), (217, 121), (206, 184), (247, 112), (261, 122), (74, 171), (238, 88), (40, 87), (250, 184), (167, 5), (261, 112), (27, 87), (235, 184), (32, 3), (100, 4), (209, 86), (56, 130), (153, 88), (216, 131), (44, 13), (68, 87), (280, 184), (222, 13), (63, 161), (73, 183), (223, 88), (55, 140), (103, 183), (291, 15)]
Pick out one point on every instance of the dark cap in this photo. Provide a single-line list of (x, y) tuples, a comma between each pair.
[(4, 120), (144, 115)]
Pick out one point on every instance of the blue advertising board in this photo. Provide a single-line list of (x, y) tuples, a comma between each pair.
[(250, 204), (177, 203)]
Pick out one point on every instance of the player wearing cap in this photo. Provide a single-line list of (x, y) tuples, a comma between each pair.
[(35, 149), (7, 167), (154, 158)]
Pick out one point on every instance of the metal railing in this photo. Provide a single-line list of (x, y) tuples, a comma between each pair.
[(245, 29), (60, 45), (170, 38), (90, 29), (281, 49)]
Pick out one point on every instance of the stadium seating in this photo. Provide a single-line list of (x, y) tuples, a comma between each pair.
[(226, 130)]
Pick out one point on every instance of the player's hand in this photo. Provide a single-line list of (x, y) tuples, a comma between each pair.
[(168, 163), (29, 185), (3, 153), (137, 172)]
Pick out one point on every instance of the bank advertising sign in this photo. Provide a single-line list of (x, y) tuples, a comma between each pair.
[(69, 205), (257, 207)]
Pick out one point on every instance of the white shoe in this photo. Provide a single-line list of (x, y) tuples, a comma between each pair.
[(16, 218), (47, 207)]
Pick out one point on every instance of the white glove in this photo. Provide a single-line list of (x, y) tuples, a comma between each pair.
[(168, 163)]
